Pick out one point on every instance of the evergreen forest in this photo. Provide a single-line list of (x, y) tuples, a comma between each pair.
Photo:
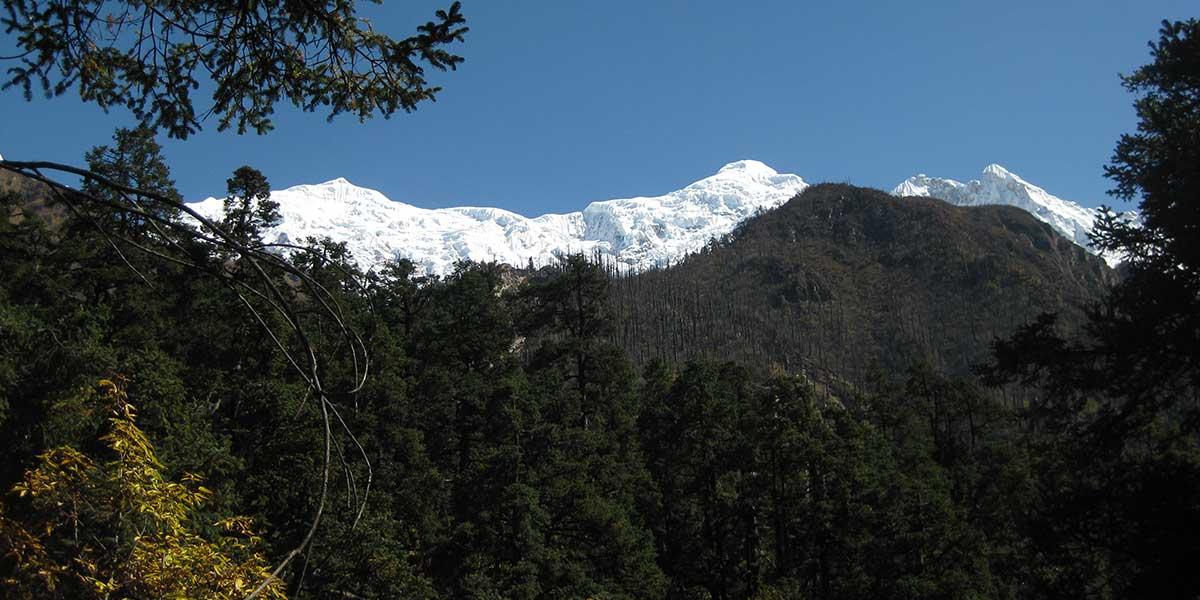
[(851, 396)]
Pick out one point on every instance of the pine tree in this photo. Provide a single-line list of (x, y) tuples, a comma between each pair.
[(150, 56), (1119, 462), (134, 160), (583, 450), (1160, 164), (249, 208)]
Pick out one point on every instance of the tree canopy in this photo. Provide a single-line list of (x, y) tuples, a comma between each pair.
[(1118, 456), (248, 205), (87, 528), (1159, 165), (152, 57), (505, 446), (134, 160)]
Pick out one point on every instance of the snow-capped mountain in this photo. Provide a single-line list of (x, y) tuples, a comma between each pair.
[(636, 232), (997, 185)]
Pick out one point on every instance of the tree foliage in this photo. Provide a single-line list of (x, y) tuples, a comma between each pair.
[(249, 208), (505, 446), (514, 450), (151, 57), (1118, 457), (1159, 165), (134, 160), (92, 528)]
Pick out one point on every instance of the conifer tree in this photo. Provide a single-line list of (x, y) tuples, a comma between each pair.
[(134, 160), (1159, 165), (584, 452), (150, 56), (1120, 463), (249, 208)]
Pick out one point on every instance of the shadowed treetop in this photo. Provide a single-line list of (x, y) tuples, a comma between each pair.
[(1160, 163)]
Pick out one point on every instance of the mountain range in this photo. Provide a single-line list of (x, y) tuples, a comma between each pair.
[(998, 185), (639, 233), (634, 233), (841, 281)]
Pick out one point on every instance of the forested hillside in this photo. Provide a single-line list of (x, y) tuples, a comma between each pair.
[(502, 446), (189, 411), (847, 281)]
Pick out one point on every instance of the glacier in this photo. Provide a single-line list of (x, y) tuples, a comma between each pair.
[(634, 233), (998, 185)]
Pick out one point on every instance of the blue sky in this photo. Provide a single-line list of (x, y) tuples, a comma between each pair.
[(561, 103)]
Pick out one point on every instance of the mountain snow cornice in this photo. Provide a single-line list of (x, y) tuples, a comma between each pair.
[(998, 185), (638, 233)]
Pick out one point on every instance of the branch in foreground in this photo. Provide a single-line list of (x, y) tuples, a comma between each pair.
[(168, 244)]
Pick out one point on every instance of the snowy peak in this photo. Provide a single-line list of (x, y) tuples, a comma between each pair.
[(638, 233), (752, 168), (648, 231), (998, 172), (925, 186), (337, 194), (998, 185)]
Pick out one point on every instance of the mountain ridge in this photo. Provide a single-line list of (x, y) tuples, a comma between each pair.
[(999, 186), (845, 279), (635, 233), (638, 233)]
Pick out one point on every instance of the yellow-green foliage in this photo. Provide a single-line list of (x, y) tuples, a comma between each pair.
[(117, 529)]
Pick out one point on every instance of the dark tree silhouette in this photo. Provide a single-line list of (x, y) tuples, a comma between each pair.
[(249, 208), (151, 56), (134, 160), (1119, 461)]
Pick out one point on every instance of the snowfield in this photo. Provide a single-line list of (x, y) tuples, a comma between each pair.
[(636, 233)]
